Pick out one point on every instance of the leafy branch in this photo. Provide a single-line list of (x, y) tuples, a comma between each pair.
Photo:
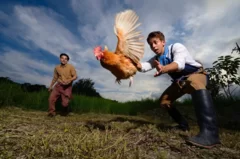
[(224, 74)]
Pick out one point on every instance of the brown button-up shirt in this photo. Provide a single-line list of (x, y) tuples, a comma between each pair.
[(62, 73)]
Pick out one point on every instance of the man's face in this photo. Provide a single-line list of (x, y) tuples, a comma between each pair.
[(63, 60), (157, 45)]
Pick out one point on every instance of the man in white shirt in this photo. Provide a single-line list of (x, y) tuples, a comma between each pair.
[(188, 77)]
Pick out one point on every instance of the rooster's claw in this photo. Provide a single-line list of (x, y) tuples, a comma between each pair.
[(118, 81)]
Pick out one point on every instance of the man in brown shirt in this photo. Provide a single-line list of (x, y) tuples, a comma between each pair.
[(64, 75)]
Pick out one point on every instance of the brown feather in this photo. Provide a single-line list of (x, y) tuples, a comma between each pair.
[(119, 65)]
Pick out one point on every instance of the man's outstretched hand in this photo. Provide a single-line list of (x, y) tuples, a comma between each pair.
[(139, 66), (158, 67)]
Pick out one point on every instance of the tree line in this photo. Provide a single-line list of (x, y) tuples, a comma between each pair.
[(81, 87)]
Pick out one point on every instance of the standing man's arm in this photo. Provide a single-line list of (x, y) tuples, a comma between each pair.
[(73, 74), (54, 80)]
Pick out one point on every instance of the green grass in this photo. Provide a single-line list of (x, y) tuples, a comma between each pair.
[(12, 94)]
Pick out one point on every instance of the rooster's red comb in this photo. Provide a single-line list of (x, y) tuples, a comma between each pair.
[(98, 48)]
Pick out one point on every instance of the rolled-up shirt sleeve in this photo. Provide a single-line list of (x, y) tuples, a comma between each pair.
[(148, 65), (180, 53)]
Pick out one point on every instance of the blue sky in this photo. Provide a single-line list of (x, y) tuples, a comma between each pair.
[(34, 33)]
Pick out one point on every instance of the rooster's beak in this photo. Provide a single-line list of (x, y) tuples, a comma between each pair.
[(97, 57)]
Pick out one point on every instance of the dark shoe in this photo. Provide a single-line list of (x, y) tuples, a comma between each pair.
[(65, 111), (208, 136), (180, 127), (178, 118), (51, 115)]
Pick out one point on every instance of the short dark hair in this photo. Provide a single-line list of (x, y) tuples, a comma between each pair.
[(64, 54), (156, 34)]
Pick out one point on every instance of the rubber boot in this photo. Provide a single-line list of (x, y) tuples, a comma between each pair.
[(208, 136)]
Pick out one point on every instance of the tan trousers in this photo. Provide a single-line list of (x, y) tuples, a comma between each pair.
[(174, 91)]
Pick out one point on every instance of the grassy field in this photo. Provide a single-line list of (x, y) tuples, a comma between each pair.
[(12, 94), (105, 129), (31, 134)]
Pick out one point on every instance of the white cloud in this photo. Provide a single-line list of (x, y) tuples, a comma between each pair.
[(18, 66), (214, 29), (40, 28)]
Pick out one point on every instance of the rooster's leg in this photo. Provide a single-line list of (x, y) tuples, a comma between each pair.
[(118, 81), (131, 81)]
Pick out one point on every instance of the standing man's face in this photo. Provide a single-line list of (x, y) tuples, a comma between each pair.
[(63, 60)]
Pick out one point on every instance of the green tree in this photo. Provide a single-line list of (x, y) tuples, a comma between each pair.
[(224, 75), (5, 79), (85, 87), (27, 87)]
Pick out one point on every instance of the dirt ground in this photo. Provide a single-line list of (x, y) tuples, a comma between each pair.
[(31, 134)]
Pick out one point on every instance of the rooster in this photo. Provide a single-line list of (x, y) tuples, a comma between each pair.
[(125, 61)]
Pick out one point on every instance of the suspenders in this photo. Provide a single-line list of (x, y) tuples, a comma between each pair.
[(180, 77), (189, 69)]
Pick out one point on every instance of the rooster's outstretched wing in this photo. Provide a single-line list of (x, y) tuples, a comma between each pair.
[(129, 39)]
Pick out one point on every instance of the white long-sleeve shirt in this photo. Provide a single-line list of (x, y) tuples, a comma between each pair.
[(180, 55)]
